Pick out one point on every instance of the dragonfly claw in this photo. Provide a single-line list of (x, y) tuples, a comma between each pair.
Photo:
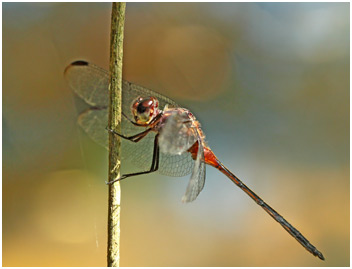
[(115, 180), (109, 129), (112, 182)]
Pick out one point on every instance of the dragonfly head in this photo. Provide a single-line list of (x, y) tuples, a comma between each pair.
[(145, 109)]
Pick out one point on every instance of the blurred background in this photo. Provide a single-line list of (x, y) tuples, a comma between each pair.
[(268, 81)]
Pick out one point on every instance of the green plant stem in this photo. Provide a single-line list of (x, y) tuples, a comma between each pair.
[(116, 55)]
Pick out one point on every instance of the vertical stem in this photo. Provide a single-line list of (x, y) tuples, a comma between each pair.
[(116, 53)]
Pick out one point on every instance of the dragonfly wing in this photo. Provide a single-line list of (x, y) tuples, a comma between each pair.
[(197, 180), (176, 165), (89, 82), (94, 122)]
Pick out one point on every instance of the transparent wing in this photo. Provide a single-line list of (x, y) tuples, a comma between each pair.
[(91, 84), (197, 180), (94, 121), (176, 165)]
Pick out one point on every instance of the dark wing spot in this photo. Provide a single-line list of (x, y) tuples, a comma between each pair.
[(79, 63), (76, 63)]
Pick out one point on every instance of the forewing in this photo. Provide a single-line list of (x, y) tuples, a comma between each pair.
[(89, 82)]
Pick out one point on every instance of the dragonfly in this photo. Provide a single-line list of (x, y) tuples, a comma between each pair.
[(158, 135)]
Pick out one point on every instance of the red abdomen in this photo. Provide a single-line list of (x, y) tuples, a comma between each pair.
[(209, 156)]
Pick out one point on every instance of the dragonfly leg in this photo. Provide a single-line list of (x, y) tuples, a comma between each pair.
[(134, 138), (154, 167)]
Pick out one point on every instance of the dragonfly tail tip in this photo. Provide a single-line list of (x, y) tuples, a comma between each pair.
[(320, 255)]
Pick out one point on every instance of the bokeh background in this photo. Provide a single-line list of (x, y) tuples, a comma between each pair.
[(269, 83)]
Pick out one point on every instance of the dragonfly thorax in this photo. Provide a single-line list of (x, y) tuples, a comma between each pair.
[(145, 109)]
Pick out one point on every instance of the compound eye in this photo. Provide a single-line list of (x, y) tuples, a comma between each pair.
[(144, 110), (141, 108)]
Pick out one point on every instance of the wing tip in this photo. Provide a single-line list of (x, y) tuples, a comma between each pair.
[(186, 199), (76, 63), (79, 62)]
